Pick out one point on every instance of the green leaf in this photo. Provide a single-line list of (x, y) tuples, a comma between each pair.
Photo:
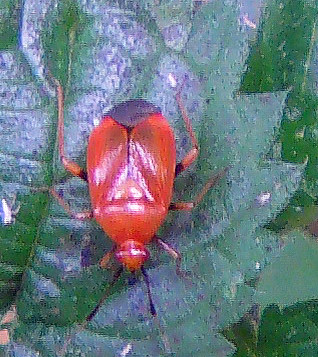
[(291, 277), (291, 331), (284, 56), (173, 20), (285, 332), (217, 47), (285, 46), (65, 24), (24, 117), (9, 22), (244, 336), (111, 55)]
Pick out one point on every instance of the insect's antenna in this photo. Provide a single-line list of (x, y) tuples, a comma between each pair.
[(101, 301), (151, 304), (164, 337)]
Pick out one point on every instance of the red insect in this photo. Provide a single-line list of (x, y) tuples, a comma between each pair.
[(131, 167)]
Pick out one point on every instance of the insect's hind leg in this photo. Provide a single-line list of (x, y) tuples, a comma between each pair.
[(77, 215), (192, 155), (69, 165)]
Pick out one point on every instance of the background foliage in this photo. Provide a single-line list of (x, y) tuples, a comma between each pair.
[(250, 85)]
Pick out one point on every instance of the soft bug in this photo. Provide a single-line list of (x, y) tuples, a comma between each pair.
[(131, 167)]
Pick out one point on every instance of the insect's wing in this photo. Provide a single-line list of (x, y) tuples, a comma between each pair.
[(154, 153), (106, 159)]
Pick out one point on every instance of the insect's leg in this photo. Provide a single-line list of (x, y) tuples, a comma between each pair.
[(172, 252), (69, 165), (153, 312), (188, 206), (104, 262), (151, 304), (192, 155), (77, 215)]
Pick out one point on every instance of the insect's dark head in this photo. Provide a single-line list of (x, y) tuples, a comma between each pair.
[(132, 112), (132, 254)]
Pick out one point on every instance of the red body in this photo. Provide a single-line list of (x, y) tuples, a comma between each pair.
[(131, 160)]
